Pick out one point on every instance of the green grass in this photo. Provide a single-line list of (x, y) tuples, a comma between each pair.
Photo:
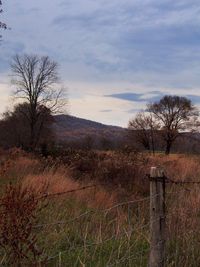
[(95, 239), (72, 233)]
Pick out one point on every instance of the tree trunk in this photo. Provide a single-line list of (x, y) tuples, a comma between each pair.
[(152, 142), (168, 147), (32, 137), (32, 133), (33, 122)]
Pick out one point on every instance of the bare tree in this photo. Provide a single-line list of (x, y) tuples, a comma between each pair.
[(144, 128), (174, 114), (36, 80)]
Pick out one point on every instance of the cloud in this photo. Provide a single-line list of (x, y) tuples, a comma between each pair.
[(138, 97), (151, 96), (106, 110), (105, 47), (148, 43), (134, 110), (115, 40), (6, 100), (91, 107), (127, 96), (7, 50)]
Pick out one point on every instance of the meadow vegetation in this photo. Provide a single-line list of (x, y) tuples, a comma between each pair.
[(46, 221)]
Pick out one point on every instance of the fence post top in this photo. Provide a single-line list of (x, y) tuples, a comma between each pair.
[(156, 172)]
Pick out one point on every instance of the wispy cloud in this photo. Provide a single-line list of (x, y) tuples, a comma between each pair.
[(128, 96), (151, 96), (106, 110), (134, 110), (136, 97)]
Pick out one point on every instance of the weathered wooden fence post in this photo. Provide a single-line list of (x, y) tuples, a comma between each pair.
[(157, 218)]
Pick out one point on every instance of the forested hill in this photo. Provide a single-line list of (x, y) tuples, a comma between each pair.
[(70, 128), (74, 123), (86, 133)]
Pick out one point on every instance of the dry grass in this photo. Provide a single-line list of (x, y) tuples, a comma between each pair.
[(16, 164), (59, 181), (125, 226), (178, 167)]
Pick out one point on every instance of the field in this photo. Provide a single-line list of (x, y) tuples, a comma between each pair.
[(90, 208)]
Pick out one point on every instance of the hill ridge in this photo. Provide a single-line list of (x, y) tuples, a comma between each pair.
[(72, 128)]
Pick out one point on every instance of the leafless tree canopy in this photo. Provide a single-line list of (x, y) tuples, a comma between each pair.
[(144, 126), (163, 121), (174, 114), (36, 80)]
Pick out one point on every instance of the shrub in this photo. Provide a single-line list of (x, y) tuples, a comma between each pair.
[(18, 208)]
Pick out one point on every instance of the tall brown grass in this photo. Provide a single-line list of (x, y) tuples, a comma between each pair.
[(120, 178), (59, 181)]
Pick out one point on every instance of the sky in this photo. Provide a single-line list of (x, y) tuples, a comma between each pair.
[(114, 56)]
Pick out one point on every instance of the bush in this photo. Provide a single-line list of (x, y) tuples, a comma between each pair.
[(18, 208), (117, 169)]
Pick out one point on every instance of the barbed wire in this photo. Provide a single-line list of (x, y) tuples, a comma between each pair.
[(126, 256), (134, 255), (93, 244), (47, 195), (98, 211), (107, 210), (169, 180)]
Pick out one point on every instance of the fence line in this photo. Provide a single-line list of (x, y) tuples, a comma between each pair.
[(157, 220), (91, 211), (83, 214), (92, 244), (157, 248), (98, 211), (159, 196), (47, 195), (158, 182), (168, 180)]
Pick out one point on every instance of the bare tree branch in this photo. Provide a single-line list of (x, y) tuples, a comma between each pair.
[(36, 80), (175, 114)]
